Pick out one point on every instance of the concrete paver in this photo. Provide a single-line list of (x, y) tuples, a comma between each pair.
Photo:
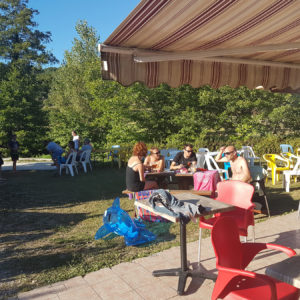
[(135, 281)]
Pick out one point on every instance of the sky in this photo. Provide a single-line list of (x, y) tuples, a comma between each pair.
[(60, 17)]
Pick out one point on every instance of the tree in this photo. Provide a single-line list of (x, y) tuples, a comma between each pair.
[(22, 53), (19, 42), (70, 99)]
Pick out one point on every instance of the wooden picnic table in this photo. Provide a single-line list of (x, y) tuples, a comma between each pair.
[(185, 180), (160, 177)]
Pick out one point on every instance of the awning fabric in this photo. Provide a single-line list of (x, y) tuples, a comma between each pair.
[(207, 42)]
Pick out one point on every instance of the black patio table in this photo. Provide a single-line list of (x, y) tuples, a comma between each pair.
[(212, 206)]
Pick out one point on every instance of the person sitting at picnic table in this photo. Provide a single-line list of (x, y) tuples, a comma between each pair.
[(135, 171), (63, 159), (55, 151), (239, 166), (154, 162), (184, 159)]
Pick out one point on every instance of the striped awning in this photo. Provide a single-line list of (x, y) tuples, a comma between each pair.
[(207, 42)]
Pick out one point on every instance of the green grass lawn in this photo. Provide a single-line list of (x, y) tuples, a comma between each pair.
[(48, 225)]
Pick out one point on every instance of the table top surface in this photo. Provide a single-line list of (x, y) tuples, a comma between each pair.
[(184, 174), (287, 271), (212, 206), (163, 173), (201, 193)]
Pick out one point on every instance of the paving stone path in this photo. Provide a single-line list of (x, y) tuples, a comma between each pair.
[(134, 280)]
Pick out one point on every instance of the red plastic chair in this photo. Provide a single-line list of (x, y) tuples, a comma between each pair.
[(232, 257), (240, 195)]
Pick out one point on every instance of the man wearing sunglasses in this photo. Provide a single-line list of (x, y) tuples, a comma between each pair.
[(154, 162), (185, 159), (239, 166)]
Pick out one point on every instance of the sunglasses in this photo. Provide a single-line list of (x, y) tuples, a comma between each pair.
[(158, 152), (228, 153), (189, 151)]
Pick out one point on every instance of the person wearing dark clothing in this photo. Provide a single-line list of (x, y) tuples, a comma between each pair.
[(13, 146), (135, 177), (184, 159), (1, 163), (133, 182)]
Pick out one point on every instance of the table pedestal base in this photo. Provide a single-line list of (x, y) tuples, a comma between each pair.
[(183, 272), (183, 275)]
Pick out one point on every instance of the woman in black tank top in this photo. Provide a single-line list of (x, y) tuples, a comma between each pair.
[(133, 182), (135, 178)]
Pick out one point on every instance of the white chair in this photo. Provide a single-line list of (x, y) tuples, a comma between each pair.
[(69, 164), (249, 155), (291, 157), (211, 164), (288, 173), (85, 158), (203, 150), (201, 157)]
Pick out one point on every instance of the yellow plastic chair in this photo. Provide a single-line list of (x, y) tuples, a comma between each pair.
[(276, 164)]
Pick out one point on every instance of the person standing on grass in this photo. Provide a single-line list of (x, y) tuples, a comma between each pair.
[(13, 146), (1, 163), (76, 140)]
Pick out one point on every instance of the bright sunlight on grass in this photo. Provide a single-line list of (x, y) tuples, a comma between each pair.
[(48, 225)]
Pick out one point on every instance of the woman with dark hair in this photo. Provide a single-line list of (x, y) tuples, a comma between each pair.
[(135, 178)]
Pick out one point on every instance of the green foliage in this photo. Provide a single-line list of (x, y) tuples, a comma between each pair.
[(22, 86), (19, 42), (205, 116), (70, 100)]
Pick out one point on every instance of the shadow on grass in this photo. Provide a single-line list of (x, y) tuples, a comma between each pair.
[(161, 230), (44, 259), (281, 202), (25, 222), (30, 189), (23, 251)]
